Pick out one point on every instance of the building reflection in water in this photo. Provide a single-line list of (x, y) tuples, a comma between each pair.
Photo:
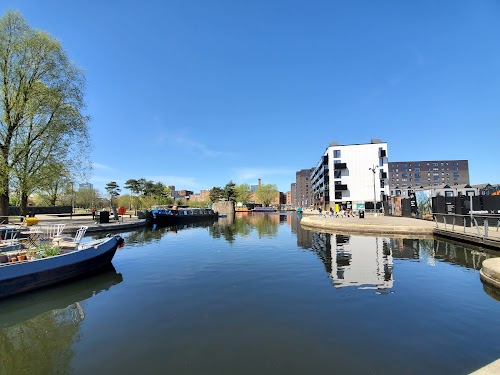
[(367, 262), (38, 329), (362, 262)]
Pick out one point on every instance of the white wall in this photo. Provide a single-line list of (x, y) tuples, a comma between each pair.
[(357, 176)]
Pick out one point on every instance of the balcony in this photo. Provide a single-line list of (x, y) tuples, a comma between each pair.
[(382, 153), (339, 166), (339, 187), (383, 175)]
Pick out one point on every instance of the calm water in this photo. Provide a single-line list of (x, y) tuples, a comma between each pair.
[(261, 296)]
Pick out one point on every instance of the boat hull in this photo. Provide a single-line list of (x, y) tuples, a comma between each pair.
[(166, 219), (26, 276)]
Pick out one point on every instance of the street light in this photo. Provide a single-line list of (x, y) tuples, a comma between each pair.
[(374, 169)]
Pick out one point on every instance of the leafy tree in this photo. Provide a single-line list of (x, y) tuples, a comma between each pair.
[(229, 192), (266, 194), (243, 193), (113, 190), (41, 103), (86, 198), (216, 194), (134, 188)]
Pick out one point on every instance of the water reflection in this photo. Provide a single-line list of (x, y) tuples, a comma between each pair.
[(230, 227), (37, 329), (368, 262), (432, 250), (363, 262)]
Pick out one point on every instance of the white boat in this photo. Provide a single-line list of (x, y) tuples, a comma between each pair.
[(23, 276)]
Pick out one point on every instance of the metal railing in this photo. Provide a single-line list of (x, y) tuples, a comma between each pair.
[(481, 223)]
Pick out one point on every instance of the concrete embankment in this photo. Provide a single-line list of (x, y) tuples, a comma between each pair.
[(370, 224)]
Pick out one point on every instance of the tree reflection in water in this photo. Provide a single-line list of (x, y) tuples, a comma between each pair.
[(41, 345), (229, 227), (38, 329)]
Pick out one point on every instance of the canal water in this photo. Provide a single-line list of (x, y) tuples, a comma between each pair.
[(260, 295)]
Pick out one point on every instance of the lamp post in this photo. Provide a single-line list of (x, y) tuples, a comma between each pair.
[(72, 200), (374, 169)]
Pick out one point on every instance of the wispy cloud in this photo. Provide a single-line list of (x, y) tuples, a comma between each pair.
[(398, 77), (197, 147), (102, 167)]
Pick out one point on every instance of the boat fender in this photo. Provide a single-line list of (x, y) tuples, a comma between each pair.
[(121, 242)]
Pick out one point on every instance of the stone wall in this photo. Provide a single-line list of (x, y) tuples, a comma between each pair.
[(224, 207)]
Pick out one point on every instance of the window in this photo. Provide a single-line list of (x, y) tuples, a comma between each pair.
[(403, 169), (417, 165), (338, 195), (382, 184), (448, 193), (435, 164), (381, 162), (336, 153), (417, 169), (337, 174)]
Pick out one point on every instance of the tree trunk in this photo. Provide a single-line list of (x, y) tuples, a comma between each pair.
[(24, 204), (4, 204)]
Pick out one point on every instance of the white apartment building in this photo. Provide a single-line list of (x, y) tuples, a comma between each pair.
[(351, 175)]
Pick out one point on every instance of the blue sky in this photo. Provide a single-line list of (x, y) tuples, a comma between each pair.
[(198, 93)]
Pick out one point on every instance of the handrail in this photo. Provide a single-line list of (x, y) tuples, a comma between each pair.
[(473, 219)]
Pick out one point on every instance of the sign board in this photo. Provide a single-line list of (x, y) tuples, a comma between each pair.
[(413, 203)]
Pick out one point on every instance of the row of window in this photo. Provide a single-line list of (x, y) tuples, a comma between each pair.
[(428, 174), (435, 178), (434, 164), (418, 169), (446, 193)]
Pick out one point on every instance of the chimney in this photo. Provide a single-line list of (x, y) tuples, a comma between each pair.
[(258, 183)]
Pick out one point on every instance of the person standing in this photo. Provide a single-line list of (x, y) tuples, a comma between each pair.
[(93, 213)]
